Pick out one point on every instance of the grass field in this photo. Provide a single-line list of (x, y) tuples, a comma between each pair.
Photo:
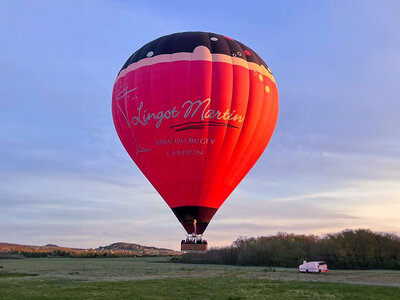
[(156, 278)]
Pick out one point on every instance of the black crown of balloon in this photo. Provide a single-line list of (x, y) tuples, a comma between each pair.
[(188, 41)]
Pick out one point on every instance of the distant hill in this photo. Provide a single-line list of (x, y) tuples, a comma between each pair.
[(130, 247), (114, 250), (122, 247)]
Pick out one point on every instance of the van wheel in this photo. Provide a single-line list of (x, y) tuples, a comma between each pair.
[(306, 271)]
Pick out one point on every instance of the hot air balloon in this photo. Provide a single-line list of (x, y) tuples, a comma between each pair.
[(195, 110)]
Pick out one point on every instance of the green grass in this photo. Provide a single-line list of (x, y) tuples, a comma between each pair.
[(155, 278), (201, 288)]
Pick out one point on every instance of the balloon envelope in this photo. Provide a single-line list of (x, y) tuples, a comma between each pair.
[(195, 111)]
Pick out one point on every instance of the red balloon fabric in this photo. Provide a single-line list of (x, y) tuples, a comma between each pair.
[(195, 111)]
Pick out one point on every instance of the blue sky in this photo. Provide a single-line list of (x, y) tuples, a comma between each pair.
[(333, 162)]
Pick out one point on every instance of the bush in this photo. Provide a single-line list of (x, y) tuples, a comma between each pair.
[(348, 249)]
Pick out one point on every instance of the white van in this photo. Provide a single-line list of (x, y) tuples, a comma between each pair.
[(313, 267)]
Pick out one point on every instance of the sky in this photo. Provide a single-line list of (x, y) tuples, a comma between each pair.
[(333, 161)]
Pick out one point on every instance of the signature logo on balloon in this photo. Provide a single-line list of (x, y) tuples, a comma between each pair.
[(191, 110)]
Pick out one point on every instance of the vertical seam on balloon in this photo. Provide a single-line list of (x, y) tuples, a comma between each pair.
[(220, 170), (203, 164), (179, 161), (191, 78), (254, 132), (204, 195), (241, 131), (245, 152), (241, 128), (169, 105), (230, 106)]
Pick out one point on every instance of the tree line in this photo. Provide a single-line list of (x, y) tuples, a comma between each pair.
[(348, 249)]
